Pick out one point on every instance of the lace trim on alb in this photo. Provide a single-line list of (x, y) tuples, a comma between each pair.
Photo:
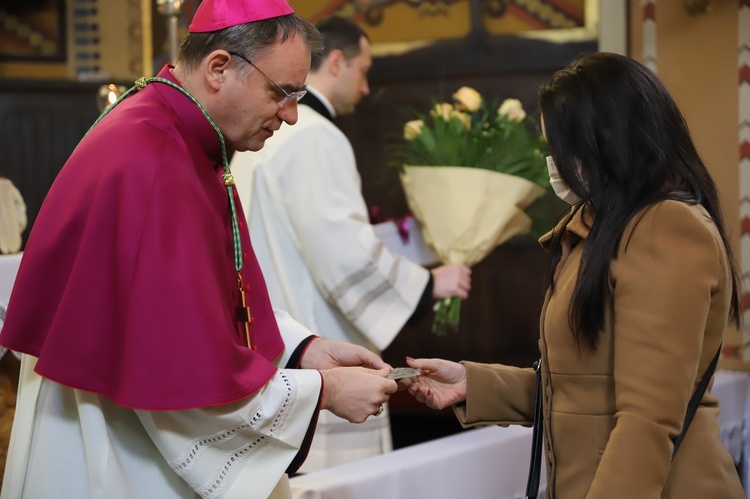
[(216, 485)]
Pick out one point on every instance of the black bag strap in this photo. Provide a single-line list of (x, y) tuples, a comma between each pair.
[(695, 400), (535, 467)]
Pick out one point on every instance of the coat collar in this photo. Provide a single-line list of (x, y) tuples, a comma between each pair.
[(577, 223)]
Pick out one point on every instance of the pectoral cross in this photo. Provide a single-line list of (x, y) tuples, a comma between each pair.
[(244, 315)]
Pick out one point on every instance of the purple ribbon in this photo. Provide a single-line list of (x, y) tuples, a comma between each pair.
[(402, 224)]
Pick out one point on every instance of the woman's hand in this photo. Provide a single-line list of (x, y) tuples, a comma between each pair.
[(441, 383)]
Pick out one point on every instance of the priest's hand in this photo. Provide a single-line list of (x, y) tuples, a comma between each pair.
[(451, 280), (326, 354), (356, 393), (441, 383)]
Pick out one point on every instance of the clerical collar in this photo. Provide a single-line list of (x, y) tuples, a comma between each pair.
[(323, 100)]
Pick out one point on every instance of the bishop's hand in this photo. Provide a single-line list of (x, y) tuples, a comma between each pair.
[(326, 354), (356, 393)]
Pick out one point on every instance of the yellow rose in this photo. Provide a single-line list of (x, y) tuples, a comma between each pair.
[(469, 98), (443, 110), (513, 109), (463, 118), (413, 129)]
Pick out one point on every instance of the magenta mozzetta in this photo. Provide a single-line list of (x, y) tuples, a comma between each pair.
[(140, 216)]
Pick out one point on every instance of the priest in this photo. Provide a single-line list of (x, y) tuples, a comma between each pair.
[(309, 222), (154, 365)]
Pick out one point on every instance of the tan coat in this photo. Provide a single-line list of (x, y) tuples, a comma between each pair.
[(610, 415)]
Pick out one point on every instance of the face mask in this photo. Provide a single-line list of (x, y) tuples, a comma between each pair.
[(558, 184)]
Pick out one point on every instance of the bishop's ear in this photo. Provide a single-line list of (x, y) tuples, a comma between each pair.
[(216, 64)]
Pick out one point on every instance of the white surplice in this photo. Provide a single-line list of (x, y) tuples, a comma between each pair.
[(322, 260), (77, 444)]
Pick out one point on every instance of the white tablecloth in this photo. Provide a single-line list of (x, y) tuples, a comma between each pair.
[(732, 388), (484, 463), (8, 269), (489, 462)]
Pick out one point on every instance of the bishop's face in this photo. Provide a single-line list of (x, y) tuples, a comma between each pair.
[(250, 108)]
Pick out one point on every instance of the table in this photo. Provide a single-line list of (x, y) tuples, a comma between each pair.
[(732, 388), (490, 462), (8, 269)]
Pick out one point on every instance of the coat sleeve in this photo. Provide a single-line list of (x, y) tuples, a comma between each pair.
[(374, 289), (497, 394), (670, 265), (240, 449)]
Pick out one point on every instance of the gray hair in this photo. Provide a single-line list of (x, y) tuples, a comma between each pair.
[(249, 39)]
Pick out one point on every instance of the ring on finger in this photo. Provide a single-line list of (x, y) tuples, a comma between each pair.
[(380, 410)]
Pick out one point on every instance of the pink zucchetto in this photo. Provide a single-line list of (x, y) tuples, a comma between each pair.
[(213, 15)]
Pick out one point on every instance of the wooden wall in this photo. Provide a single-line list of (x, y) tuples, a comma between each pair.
[(41, 122)]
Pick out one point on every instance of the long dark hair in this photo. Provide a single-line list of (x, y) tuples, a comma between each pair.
[(614, 117)]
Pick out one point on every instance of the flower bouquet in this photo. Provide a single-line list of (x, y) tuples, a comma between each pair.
[(469, 170)]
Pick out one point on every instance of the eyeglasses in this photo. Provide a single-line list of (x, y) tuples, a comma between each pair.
[(288, 96)]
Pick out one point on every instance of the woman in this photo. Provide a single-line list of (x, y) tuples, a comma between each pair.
[(642, 288)]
